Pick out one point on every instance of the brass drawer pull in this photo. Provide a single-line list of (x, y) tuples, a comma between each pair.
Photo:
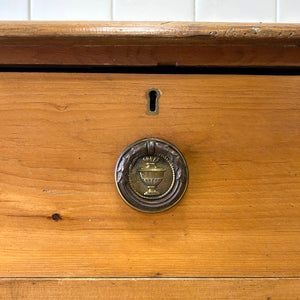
[(151, 175)]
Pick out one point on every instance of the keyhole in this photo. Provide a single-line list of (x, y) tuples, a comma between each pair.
[(153, 98), (152, 95)]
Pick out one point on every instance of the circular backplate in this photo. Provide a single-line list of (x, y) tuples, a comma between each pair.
[(151, 175)]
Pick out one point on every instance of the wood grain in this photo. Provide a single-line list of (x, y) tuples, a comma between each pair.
[(141, 289), (149, 44), (60, 213), (177, 56), (145, 33)]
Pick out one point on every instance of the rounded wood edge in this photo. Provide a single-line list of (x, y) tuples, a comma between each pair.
[(145, 33), (194, 44)]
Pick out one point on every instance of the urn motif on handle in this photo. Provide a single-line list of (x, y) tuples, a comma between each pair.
[(151, 175)]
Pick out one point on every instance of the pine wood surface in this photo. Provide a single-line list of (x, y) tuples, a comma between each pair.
[(146, 33), (149, 56), (60, 213), (142, 289), (149, 44)]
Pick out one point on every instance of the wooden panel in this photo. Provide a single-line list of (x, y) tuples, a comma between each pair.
[(149, 289), (60, 213), (177, 56), (149, 44)]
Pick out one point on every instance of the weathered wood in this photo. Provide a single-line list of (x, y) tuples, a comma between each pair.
[(60, 213), (149, 43), (145, 33), (179, 56), (141, 289)]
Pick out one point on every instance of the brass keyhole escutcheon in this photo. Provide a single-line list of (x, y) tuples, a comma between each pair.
[(151, 175)]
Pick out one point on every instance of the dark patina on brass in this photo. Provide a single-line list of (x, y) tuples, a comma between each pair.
[(151, 175)]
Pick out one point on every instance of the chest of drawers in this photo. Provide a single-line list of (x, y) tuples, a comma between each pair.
[(65, 119)]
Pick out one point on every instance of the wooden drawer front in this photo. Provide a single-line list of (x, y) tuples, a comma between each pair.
[(61, 215)]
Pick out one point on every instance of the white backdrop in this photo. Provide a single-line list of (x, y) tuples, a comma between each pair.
[(153, 10)]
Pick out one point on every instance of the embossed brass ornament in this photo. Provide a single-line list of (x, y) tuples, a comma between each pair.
[(151, 175)]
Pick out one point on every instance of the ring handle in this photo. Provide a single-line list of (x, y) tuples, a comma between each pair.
[(151, 175)]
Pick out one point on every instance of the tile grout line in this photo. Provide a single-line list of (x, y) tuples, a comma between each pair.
[(194, 10), (29, 10), (276, 11), (112, 10)]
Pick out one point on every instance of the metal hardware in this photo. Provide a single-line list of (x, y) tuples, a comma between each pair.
[(153, 95), (151, 175)]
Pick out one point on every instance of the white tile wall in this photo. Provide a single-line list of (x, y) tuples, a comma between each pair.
[(14, 10), (71, 10), (289, 11), (235, 10), (153, 10)]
